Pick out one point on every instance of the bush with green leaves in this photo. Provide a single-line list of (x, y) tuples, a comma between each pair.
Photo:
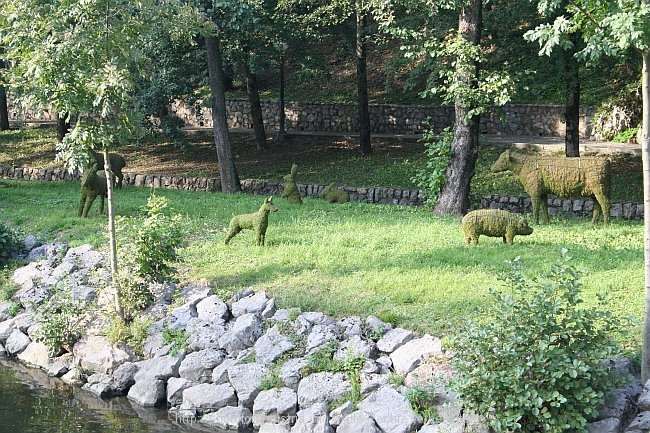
[(10, 243), (175, 338), (438, 150), (536, 360), (60, 320)]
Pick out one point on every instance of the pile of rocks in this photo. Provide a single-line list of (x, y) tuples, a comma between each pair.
[(247, 365)]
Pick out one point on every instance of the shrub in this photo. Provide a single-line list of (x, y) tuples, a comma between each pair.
[(10, 244), (176, 338), (431, 178), (133, 334), (60, 320), (422, 401), (535, 361)]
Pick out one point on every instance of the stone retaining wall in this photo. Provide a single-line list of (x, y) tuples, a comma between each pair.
[(397, 196), (527, 120)]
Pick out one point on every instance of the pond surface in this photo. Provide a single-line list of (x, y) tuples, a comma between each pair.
[(32, 402)]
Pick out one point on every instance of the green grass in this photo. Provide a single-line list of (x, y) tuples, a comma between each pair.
[(402, 264)]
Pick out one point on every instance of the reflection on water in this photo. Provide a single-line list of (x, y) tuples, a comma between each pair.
[(31, 402)]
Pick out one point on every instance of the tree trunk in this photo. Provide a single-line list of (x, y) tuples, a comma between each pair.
[(572, 100), (111, 230), (4, 110), (253, 91), (645, 152), (229, 178), (454, 195), (62, 126), (282, 132), (362, 82)]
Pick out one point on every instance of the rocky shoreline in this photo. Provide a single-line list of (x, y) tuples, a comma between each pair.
[(247, 364)]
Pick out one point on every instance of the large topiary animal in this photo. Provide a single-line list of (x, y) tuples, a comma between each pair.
[(562, 177), (494, 223), (333, 195), (93, 184), (258, 221), (291, 191), (117, 164)]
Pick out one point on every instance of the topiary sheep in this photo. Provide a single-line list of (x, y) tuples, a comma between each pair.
[(258, 221), (494, 223), (333, 195), (291, 191), (117, 164), (93, 184), (562, 177)]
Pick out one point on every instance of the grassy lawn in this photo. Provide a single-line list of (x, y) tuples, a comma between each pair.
[(402, 264)]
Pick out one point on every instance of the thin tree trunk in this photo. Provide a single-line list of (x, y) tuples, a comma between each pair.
[(229, 178), (4, 110), (257, 117), (362, 82), (62, 126), (645, 152), (111, 230), (572, 100), (454, 195), (282, 132)]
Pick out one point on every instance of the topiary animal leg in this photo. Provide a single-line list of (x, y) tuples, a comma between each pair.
[(601, 204), (543, 204)]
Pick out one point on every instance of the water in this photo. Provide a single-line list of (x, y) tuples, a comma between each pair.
[(32, 402)]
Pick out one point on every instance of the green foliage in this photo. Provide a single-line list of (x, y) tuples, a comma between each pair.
[(133, 334), (60, 320), (626, 136), (422, 402), (10, 244), (534, 362), (176, 338), (433, 176), (272, 380)]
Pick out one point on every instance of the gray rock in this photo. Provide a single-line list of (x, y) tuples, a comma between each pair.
[(323, 387), (148, 392), (393, 339), (386, 364), (5, 310), (358, 422), (391, 411), (24, 321), (35, 354), (607, 425), (124, 376), (350, 326), (318, 337), (337, 415), (271, 346), (640, 424), (283, 315), (246, 379), (59, 366), (372, 382), (194, 293), (175, 388), (376, 326), (6, 328), (318, 318), (313, 419), (229, 418), (99, 384), (355, 346), (407, 357), (181, 316), (619, 404), (274, 406), (84, 256), (220, 372), (98, 354), (269, 310), (243, 334), (204, 335), (644, 399), (252, 304), (154, 345), (207, 397), (275, 428), (212, 310), (198, 366), (184, 414), (161, 368), (17, 342), (291, 372)]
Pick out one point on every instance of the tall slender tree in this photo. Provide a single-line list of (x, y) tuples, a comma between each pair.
[(4, 109)]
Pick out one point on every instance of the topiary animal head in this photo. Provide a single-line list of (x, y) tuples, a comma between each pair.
[(269, 206), (291, 177)]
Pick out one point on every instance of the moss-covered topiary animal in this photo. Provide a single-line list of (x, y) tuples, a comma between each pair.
[(334, 195), (117, 164), (291, 191), (93, 184), (494, 223), (562, 177), (258, 221)]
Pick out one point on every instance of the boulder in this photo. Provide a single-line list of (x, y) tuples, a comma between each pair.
[(229, 418), (313, 419), (243, 334), (212, 310), (355, 346), (17, 342), (204, 335), (358, 422), (246, 379), (408, 356), (207, 397), (220, 372), (271, 346), (323, 387), (162, 367), (337, 415), (253, 304), (274, 406), (148, 392), (124, 377), (35, 354), (198, 366), (391, 411), (291, 372), (393, 339), (318, 337), (98, 354), (274, 428), (175, 388)]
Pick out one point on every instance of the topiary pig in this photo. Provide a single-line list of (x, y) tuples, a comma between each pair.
[(562, 177), (93, 184), (291, 191), (333, 195), (494, 223), (117, 164)]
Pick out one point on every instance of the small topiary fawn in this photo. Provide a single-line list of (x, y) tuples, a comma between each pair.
[(93, 184), (258, 221)]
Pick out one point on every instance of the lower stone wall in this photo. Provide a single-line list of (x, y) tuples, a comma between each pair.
[(396, 196)]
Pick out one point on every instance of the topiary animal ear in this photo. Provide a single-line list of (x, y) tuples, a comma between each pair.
[(294, 169), (270, 199)]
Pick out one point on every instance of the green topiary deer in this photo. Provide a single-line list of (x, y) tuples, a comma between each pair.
[(93, 184), (291, 191), (333, 195), (117, 164), (258, 221)]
